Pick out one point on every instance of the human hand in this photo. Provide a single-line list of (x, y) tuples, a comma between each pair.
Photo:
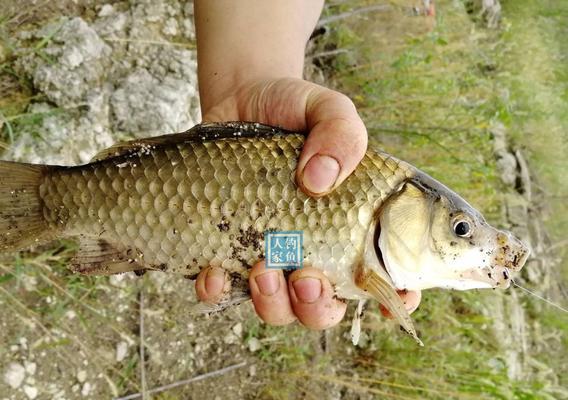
[(250, 61), (336, 143)]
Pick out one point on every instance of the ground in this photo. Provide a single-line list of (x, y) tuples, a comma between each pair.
[(482, 109)]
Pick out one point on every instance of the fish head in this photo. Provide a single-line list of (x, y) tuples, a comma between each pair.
[(428, 236)]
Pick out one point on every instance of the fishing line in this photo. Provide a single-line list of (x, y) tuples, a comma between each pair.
[(539, 297)]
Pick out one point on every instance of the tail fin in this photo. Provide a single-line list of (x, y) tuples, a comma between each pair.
[(21, 216)]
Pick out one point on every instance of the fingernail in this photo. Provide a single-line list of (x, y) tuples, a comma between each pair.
[(320, 174), (268, 283), (307, 290), (214, 281), (385, 311)]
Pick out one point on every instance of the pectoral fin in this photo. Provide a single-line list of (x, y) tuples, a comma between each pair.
[(383, 292)]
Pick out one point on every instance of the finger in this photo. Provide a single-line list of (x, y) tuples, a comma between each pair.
[(312, 298), (410, 298), (336, 142), (211, 284), (269, 294)]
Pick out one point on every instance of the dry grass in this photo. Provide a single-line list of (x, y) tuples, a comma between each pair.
[(430, 95)]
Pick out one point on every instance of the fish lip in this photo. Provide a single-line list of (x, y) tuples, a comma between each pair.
[(519, 252), (497, 277)]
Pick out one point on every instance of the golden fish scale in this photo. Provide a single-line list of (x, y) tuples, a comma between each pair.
[(184, 206)]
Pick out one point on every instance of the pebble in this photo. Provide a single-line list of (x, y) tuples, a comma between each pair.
[(86, 389), (121, 351), (238, 329), (30, 391), (117, 280), (106, 10), (82, 376), (230, 338), (254, 344), (70, 314), (252, 370), (14, 375), (31, 367)]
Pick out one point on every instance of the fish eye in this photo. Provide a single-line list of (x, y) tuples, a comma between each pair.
[(462, 228)]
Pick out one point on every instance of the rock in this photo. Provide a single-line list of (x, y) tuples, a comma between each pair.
[(506, 161), (252, 370), (112, 26), (152, 10), (123, 83), (118, 280), (30, 283), (81, 58), (65, 140), (86, 389), (230, 338), (145, 105), (507, 165), (238, 329), (14, 375), (30, 391), (491, 12), (70, 314), (170, 27), (254, 344), (82, 376), (106, 10), (30, 367), (121, 351)]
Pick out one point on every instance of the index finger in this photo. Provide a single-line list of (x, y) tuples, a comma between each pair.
[(336, 142)]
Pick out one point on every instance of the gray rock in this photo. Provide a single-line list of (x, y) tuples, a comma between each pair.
[(80, 57), (14, 375), (170, 27), (144, 105), (254, 344), (110, 79), (30, 391), (111, 25), (64, 138)]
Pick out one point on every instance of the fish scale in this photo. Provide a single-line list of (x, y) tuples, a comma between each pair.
[(187, 205)]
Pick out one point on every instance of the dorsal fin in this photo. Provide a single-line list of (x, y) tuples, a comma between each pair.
[(136, 145), (202, 132), (235, 130)]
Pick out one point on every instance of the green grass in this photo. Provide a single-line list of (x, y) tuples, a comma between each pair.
[(16, 88), (431, 98)]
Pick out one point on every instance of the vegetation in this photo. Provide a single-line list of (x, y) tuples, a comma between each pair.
[(432, 95)]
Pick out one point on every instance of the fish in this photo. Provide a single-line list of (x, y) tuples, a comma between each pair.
[(178, 203)]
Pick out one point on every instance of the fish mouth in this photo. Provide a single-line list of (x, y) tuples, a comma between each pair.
[(495, 277), (512, 254)]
